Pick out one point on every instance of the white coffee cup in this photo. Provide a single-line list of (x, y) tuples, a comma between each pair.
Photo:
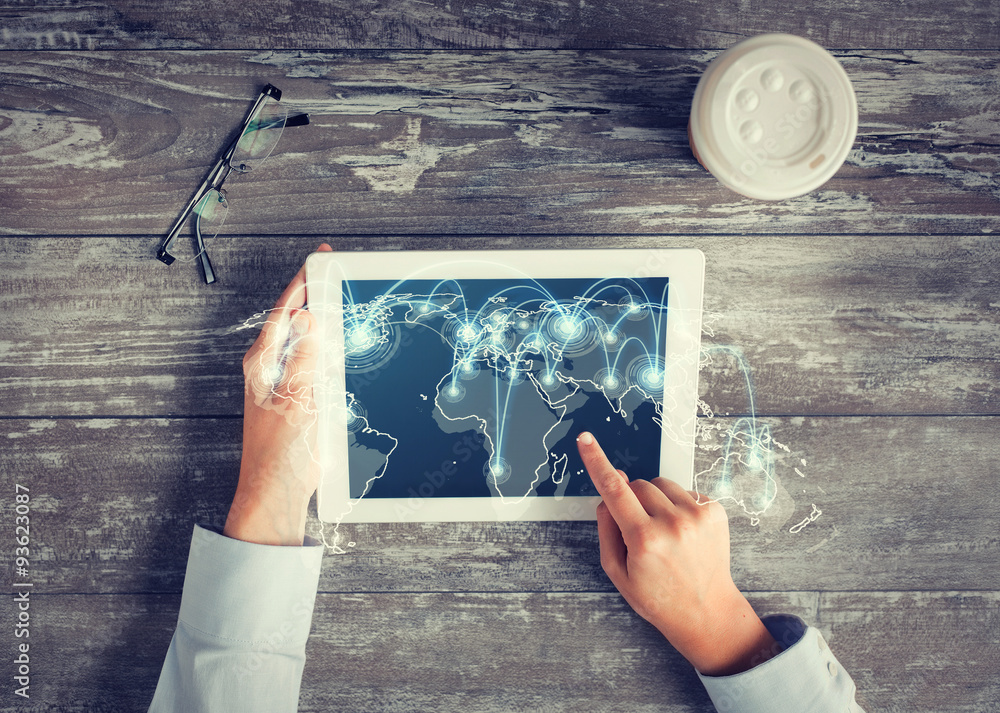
[(773, 117)]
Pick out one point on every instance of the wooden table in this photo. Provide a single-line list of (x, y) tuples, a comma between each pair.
[(869, 312)]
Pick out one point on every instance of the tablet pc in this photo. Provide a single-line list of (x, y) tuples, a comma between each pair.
[(452, 385)]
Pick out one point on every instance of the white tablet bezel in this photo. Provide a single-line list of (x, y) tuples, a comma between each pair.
[(325, 271)]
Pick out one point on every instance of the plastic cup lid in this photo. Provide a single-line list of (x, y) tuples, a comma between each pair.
[(774, 117)]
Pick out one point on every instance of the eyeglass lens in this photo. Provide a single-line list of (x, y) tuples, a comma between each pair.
[(260, 136)]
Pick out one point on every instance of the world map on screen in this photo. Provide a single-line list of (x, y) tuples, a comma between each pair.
[(478, 388)]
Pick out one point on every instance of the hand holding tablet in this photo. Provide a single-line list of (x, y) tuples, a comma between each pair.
[(278, 474)]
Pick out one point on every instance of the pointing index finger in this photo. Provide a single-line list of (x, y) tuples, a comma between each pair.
[(622, 503)]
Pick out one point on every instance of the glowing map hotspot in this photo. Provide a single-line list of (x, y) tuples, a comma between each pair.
[(452, 385)]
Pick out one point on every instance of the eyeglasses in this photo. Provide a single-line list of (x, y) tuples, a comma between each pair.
[(261, 130)]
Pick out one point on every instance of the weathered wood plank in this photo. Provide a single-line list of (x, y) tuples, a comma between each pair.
[(477, 24), (907, 651), (904, 502), (589, 652), (827, 325), (486, 142)]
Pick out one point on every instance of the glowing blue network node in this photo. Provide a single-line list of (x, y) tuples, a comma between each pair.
[(652, 378), (453, 392), (468, 369), (723, 489), (634, 308), (567, 326), (549, 381), (356, 416), (501, 340), (570, 331), (513, 375), (611, 338), (612, 382), (649, 374), (523, 325), (497, 470), (361, 338), (369, 346)]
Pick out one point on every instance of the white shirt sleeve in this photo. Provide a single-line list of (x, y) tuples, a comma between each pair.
[(804, 678), (245, 615)]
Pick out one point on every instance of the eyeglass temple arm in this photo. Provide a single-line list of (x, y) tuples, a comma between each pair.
[(206, 265), (296, 120)]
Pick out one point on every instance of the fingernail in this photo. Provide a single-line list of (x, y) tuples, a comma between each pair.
[(585, 438)]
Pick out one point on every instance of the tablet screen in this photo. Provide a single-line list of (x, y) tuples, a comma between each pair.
[(477, 388)]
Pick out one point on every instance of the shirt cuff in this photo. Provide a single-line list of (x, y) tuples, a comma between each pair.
[(805, 677), (242, 591)]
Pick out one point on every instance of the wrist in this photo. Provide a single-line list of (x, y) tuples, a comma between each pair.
[(732, 640), (267, 518)]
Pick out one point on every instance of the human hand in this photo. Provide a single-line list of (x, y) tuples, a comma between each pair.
[(668, 555), (278, 473)]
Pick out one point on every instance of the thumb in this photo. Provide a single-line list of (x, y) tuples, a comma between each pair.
[(303, 352), (302, 335)]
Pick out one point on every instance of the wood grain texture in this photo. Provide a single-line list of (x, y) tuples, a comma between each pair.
[(906, 504), (485, 142), (589, 652), (828, 325), (476, 24), (522, 651)]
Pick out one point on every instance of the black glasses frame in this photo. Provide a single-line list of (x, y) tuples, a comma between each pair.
[(214, 180)]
